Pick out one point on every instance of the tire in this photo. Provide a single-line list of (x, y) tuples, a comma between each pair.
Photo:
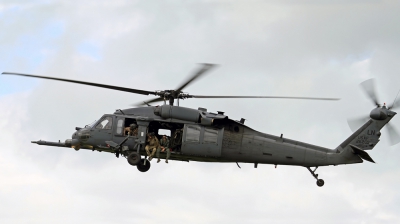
[(143, 168), (133, 159), (320, 182)]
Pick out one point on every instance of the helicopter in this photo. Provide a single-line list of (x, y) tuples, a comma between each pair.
[(203, 136)]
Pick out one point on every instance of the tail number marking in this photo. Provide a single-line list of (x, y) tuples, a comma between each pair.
[(362, 140)]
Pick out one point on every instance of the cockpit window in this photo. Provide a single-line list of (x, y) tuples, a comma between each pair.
[(91, 124), (105, 123), (120, 126)]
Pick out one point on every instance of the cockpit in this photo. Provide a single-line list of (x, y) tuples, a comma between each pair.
[(91, 125), (105, 123)]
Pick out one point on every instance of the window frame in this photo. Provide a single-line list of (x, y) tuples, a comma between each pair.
[(119, 130), (214, 136), (109, 126), (189, 135)]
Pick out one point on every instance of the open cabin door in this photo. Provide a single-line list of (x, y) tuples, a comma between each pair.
[(137, 138), (121, 132), (202, 141)]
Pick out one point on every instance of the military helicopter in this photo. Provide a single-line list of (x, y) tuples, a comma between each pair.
[(199, 135)]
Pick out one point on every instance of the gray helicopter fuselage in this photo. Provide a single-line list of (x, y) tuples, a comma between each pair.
[(210, 137), (197, 135)]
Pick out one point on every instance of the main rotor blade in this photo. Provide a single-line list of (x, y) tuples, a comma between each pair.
[(356, 123), (369, 87), (138, 91), (269, 97), (393, 135), (201, 71), (150, 101)]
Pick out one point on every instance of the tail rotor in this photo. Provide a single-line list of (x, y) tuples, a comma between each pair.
[(394, 136), (356, 123), (395, 103), (379, 112), (369, 88)]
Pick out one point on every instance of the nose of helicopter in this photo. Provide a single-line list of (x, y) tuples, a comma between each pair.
[(78, 138), (75, 135), (82, 134)]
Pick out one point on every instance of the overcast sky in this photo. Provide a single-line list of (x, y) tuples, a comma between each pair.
[(283, 48)]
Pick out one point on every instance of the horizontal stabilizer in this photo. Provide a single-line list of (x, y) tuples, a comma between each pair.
[(361, 153)]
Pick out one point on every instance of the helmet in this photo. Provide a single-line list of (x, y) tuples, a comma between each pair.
[(133, 126)]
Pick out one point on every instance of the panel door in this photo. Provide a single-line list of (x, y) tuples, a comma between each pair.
[(202, 141)]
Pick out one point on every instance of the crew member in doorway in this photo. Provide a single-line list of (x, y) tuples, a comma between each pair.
[(132, 130), (164, 147), (152, 145)]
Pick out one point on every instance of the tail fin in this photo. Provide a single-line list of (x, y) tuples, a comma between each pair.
[(367, 136)]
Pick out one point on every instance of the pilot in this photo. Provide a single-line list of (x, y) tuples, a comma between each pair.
[(152, 145), (164, 147)]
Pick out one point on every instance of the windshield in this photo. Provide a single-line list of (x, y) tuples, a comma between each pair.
[(91, 124), (105, 123)]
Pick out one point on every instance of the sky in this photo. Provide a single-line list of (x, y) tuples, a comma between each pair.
[(279, 48)]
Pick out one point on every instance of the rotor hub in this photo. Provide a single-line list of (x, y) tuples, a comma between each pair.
[(379, 113)]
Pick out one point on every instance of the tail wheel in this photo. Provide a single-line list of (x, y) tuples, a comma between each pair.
[(320, 182)]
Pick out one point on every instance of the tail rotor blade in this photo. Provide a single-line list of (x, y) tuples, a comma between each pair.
[(356, 123), (393, 135), (369, 87), (396, 102)]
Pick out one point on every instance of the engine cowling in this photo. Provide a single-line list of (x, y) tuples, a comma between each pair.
[(181, 113), (187, 114)]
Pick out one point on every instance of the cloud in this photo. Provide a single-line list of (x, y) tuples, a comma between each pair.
[(264, 48)]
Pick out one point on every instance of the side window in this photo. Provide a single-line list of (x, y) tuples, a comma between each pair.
[(193, 133), (120, 126), (106, 123), (210, 135)]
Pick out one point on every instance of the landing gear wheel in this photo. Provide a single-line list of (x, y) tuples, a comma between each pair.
[(320, 182), (143, 167), (133, 159)]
